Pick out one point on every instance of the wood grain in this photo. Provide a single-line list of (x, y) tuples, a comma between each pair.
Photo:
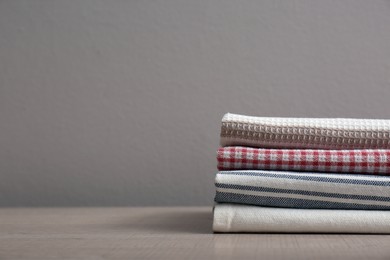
[(162, 233)]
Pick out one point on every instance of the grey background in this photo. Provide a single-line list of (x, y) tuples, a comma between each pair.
[(119, 102)]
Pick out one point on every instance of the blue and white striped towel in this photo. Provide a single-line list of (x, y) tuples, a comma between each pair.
[(303, 190)]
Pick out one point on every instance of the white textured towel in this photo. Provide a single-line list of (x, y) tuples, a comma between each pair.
[(315, 133), (242, 218)]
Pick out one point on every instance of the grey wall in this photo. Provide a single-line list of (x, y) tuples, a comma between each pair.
[(119, 102)]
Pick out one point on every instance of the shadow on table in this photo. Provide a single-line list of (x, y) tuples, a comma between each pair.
[(190, 221)]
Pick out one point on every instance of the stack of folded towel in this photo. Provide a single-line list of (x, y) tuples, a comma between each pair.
[(303, 175)]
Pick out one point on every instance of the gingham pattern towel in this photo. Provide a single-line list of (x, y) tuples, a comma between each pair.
[(303, 190), (314, 133), (340, 161), (242, 218)]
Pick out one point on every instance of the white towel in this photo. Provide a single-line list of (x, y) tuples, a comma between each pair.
[(242, 218)]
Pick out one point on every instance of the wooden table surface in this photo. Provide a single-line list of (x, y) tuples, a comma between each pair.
[(162, 233)]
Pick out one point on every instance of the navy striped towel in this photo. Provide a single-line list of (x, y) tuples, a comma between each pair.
[(303, 190)]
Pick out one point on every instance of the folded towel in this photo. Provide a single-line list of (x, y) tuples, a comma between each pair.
[(341, 161), (315, 133), (303, 190), (241, 218)]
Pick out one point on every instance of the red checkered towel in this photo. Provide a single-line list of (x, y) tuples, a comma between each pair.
[(342, 161)]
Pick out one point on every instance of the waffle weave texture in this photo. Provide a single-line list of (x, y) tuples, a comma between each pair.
[(314, 133), (365, 161), (303, 190), (242, 218)]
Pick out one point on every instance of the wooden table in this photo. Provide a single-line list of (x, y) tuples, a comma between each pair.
[(161, 233)]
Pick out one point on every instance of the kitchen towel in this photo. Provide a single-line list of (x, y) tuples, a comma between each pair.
[(314, 133), (303, 189), (242, 218), (341, 161)]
